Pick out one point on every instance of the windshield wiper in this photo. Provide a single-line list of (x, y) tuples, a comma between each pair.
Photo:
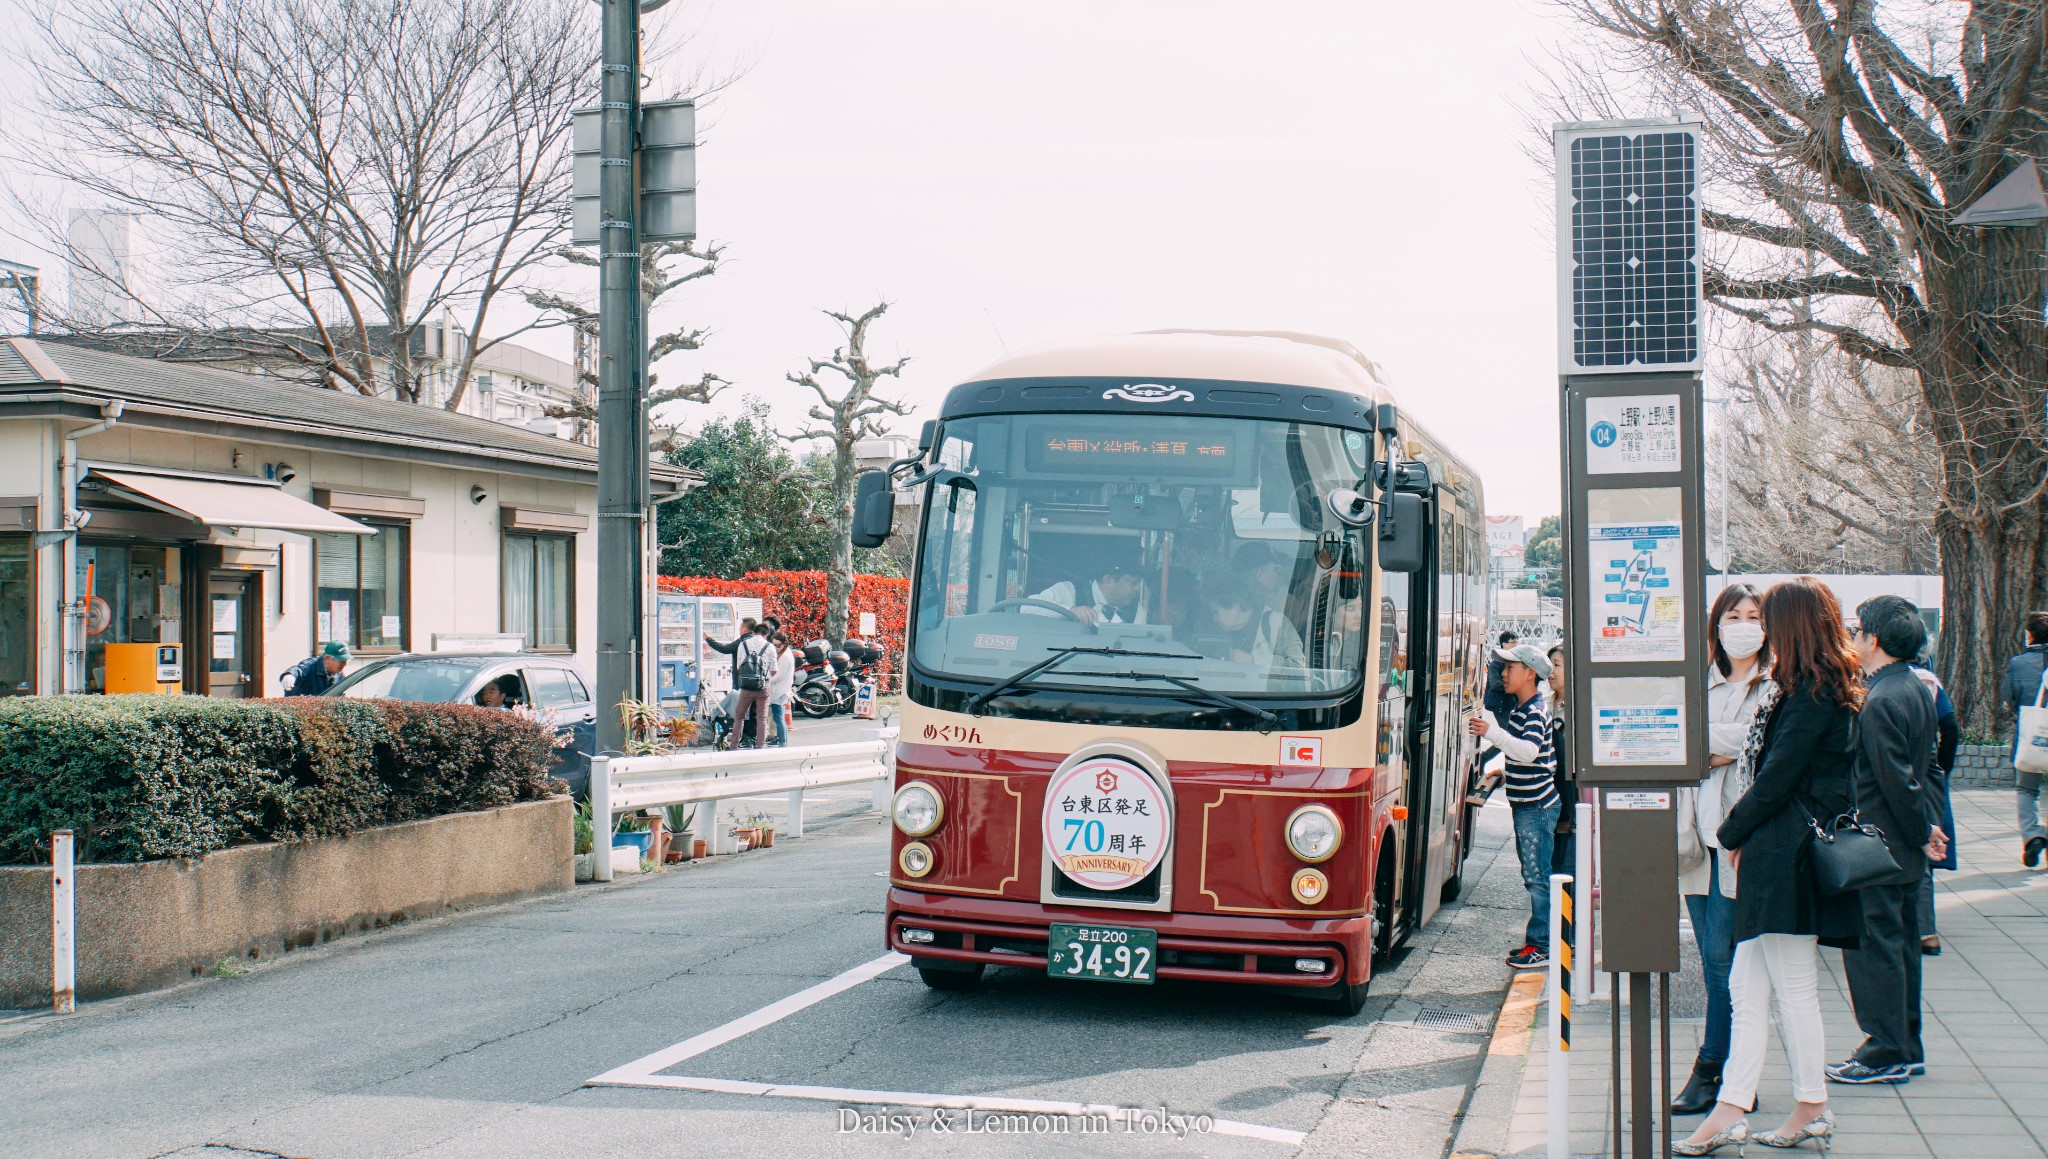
[(1060, 656), (1267, 718)]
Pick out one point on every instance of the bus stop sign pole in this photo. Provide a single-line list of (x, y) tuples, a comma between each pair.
[(1630, 355)]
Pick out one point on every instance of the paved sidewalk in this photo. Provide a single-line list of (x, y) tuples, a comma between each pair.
[(1986, 1032)]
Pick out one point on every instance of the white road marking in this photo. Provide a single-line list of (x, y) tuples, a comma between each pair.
[(747, 1024), (643, 1072)]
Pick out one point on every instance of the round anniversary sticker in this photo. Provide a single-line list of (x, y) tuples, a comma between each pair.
[(1105, 824)]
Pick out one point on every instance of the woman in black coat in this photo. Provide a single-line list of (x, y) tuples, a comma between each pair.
[(1797, 767)]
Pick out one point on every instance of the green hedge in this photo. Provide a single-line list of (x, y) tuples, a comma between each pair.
[(140, 777)]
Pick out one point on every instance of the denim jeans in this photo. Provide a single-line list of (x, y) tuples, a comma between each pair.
[(1713, 930), (1535, 838), (779, 713)]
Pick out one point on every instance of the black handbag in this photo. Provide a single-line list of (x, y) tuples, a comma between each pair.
[(1849, 855)]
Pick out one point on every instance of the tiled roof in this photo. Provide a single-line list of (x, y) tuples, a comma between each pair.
[(255, 398)]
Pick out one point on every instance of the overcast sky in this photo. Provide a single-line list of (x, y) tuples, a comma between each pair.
[(1007, 173), (1011, 173)]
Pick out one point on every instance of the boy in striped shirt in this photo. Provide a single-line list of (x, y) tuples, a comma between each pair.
[(1531, 783)]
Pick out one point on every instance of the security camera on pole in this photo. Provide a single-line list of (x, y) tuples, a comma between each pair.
[(1629, 357), (634, 164)]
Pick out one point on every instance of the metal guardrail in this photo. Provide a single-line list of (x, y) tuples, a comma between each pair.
[(618, 784)]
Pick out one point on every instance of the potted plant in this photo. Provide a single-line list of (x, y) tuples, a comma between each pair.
[(679, 819), (631, 830), (585, 839)]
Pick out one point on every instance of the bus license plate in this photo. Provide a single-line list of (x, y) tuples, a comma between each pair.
[(1102, 953)]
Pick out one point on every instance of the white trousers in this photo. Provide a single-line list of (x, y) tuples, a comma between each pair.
[(1787, 965)]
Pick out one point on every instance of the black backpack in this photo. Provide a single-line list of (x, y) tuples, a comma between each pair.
[(751, 674)]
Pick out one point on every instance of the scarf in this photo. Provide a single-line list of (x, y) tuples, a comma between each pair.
[(1743, 775)]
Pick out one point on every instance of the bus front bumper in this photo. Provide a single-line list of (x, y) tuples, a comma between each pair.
[(1192, 947)]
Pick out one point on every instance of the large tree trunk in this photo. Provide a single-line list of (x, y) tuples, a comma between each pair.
[(839, 574), (1986, 378)]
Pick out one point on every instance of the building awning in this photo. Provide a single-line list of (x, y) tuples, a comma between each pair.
[(220, 503)]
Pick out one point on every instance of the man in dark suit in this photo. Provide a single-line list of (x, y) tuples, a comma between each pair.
[(1892, 752)]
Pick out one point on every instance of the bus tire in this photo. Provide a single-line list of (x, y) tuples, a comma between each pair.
[(1385, 937), (944, 978), (1453, 885), (1345, 998)]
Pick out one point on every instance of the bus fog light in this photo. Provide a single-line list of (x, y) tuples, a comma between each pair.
[(917, 809), (1314, 833), (1310, 886), (919, 937), (1301, 965), (915, 859)]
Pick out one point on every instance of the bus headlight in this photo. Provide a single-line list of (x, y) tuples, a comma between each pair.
[(1314, 833), (1309, 886), (915, 860), (917, 809)]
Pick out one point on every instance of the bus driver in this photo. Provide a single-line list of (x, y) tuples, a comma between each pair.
[(1116, 597)]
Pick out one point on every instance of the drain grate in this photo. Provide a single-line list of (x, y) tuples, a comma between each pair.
[(1451, 1020)]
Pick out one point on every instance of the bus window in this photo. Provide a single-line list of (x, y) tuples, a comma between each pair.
[(1202, 540)]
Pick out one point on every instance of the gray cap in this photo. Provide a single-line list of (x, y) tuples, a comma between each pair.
[(1528, 654)]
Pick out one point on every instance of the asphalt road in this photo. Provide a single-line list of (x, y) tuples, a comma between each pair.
[(476, 1036)]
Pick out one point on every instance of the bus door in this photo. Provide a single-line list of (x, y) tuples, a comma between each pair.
[(1426, 658), (1440, 784)]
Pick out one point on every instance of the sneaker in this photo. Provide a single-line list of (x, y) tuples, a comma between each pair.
[(2032, 856), (1528, 958), (1916, 1068), (1931, 945), (1857, 1074)]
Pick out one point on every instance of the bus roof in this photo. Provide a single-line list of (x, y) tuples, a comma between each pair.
[(1275, 356)]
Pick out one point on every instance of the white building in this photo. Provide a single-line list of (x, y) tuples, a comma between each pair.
[(247, 519)]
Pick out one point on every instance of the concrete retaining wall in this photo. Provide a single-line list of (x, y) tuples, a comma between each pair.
[(1982, 767), (146, 925)]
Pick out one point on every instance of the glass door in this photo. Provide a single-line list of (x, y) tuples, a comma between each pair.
[(233, 635)]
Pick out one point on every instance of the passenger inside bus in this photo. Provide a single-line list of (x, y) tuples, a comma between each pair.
[(1241, 628)]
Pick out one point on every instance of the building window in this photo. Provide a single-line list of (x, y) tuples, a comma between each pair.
[(360, 590), (17, 617), (540, 595)]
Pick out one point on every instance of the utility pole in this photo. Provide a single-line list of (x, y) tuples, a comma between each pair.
[(622, 481)]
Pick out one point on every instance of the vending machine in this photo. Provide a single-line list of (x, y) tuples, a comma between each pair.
[(675, 663), (691, 676)]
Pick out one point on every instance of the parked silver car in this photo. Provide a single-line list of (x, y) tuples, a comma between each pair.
[(527, 678)]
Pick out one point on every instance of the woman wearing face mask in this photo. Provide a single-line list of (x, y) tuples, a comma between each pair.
[(1736, 679)]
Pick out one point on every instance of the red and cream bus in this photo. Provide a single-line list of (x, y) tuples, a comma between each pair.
[(1196, 618)]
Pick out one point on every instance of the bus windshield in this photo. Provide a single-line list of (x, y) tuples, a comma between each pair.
[(1178, 555)]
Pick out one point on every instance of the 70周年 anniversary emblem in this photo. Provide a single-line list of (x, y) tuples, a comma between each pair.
[(1105, 824)]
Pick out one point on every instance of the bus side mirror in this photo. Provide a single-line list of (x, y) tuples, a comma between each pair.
[(1403, 546), (926, 436), (874, 509)]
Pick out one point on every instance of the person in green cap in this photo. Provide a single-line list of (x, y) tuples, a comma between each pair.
[(318, 672)]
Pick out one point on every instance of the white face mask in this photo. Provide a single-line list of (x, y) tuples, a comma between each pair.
[(1742, 639)]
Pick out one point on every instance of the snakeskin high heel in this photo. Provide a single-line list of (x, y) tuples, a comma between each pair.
[(1735, 1134), (1821, 1131)]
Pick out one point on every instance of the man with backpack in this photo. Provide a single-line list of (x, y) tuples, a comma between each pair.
[(753, 670)]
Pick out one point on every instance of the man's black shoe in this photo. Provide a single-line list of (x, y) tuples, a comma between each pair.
[(2032, 856)]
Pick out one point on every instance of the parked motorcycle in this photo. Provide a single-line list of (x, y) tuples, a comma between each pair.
[(830, 678)]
